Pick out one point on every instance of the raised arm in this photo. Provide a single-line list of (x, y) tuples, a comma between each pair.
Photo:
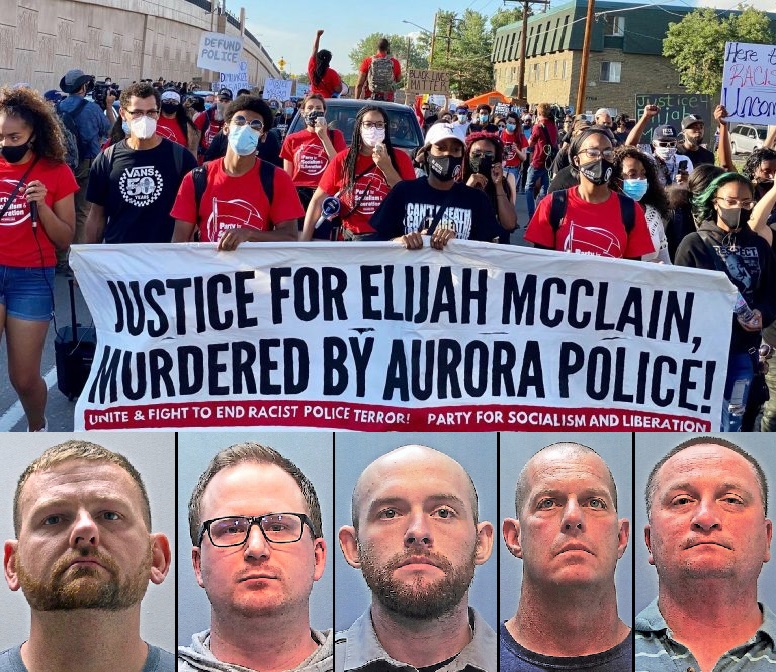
[(724, 152), (634, 137)]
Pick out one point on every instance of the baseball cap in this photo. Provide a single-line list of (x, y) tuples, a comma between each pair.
[(54, 96), (226, 93), (461, 109), (74, 80), (439, 132), (171, 95), (691, 119), (664, 132)]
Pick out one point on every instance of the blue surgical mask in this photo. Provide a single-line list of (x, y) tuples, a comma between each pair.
[(511, 127), (635, 188), (289, 111), (484, 118), (125, 127), (243, 140), (208, 106)]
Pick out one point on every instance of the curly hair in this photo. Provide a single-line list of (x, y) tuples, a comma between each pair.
[(47, 138), (755, 159), (656, 195), (703, 203), (357, 144)]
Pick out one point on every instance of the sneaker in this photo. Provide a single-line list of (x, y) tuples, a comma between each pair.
[(63, 268), (42, 429)]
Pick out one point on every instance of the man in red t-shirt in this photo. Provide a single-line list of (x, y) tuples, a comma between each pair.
[(362, 86), (210, 122), (234, 206), (544, 137)]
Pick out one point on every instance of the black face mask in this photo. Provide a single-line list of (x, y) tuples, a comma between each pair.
[(481, 165), (734, 218), (598, 172), (169, 108), (764, 186), (444, 168), (14, 154)]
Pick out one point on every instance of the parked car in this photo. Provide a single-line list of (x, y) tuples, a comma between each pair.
[(745, 138), (405, 132)]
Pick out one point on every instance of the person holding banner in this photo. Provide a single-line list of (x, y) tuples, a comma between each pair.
[(324, 80), (724, 242)]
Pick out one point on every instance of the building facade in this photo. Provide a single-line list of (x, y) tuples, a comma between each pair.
[(126, 40)]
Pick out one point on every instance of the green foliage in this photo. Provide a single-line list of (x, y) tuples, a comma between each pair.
[(418, 52), (504, 17), (695, 45)]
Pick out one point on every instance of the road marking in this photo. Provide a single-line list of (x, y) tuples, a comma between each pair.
[(15, 413)]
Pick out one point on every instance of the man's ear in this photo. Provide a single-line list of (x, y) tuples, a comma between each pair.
[(349, 544), (196, 563), (320, 557), (484, 542), (511, 531), (162, 558), (9, 564), (648, 542), (622, 536)]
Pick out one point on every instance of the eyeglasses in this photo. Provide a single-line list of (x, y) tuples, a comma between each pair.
[(479, 155), (665, 143), (736, 203), (256, 124), (379, 125), (594, 153), (137, 114), (277, 528)]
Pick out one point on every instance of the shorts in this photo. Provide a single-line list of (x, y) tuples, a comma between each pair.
[(27, 293)]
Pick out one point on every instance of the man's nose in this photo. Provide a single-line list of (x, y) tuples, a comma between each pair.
[(256, 546), (418, 530), (706, 516), (573, 520), (85, 531)]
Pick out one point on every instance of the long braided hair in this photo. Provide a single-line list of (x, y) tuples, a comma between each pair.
[(357, 144)]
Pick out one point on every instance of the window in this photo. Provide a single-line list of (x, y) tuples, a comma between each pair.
[(555, 70), (536, 72), (564, 69), (547, 72), (610, 71), (614, 25)]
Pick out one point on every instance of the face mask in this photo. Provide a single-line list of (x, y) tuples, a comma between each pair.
[(208, 106), (143, 128), (764, 186), (243, 140), (635, 188), (310, 118), (461, 118), (289, 111), (734, 218), (372, 136), (14, 154), (444, 168), (597, 172), (511, 127), (484, 118), (666, 153), (169, 108), (481, 165), (125, 127)]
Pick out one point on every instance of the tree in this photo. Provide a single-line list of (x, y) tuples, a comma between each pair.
[(504, 17), (687, 44), (418, 51)]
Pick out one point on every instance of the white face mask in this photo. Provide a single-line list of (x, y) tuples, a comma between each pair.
[(665, 153), (143, 128), (372, 136)]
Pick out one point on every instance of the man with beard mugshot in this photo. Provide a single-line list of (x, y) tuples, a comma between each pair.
[(416, 538), (83, 557)]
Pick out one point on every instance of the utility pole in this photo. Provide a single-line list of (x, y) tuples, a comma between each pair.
[(585, 58), (522, 100), (449, 35), (433, 43)]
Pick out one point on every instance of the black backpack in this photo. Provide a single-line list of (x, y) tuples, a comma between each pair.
[(74, 146), (560, 202)]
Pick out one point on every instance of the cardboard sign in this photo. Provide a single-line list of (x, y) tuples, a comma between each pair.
[(219, 52), (428, 81), (277, 89), (673, 108), (236, 81), (749, 83)]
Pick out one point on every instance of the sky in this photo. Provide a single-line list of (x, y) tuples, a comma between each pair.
[(287, 29)]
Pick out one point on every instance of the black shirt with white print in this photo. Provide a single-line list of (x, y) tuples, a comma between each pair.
[(137, 189), (412, 204)]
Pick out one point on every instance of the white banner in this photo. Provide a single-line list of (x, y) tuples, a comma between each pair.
[(236, 81), (219, 52), (749, 82), (373, 337), (277, 89)]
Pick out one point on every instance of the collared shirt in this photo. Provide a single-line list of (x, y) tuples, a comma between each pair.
[(658, 651), (359, 649), (93, 125)]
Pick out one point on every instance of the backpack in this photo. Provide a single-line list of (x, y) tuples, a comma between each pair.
[(379, 77), (550, 150), (73, 144), (560, 201)]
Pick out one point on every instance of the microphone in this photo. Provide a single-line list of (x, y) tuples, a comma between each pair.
[(330, 208), (34, 214)]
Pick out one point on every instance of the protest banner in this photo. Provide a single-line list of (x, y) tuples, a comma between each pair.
[(373, 337), (236, 81), (219, 52), (277, 89), (673, 108), (501, 109), (428, 81), (749, 82)]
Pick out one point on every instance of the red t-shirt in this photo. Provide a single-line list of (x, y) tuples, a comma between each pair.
[(213, 129), (306, 152), (170, 129), (369, 191), (513, 142), (236, 202), (590, 228), (365, 69), (18, 243), (328, 85), (538, 140)]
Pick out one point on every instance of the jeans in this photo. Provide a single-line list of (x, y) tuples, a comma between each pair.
[(542, 176), (738, 382), (27, 293), (515, 170), (768, 423)]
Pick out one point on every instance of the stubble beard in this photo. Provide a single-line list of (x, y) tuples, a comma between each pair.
[(85, 587)]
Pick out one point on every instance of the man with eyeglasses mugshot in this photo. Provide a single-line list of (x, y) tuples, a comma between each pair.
[(239, 197), (133, 184), (256, 529)]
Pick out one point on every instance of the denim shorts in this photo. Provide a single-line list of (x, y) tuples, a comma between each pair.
[(27, 293)]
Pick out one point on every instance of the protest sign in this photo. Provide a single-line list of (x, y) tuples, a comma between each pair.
[(501, 109), (749, 82), (301, 90), (236, 81), (374, 337), (428, 81), (219, 52), (277, 89), (673, 108)]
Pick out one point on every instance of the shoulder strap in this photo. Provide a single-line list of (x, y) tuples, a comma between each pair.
[(628, 212), (546, 134), (199, 178), (267, 177), (18, 186), (177, 157), (79, 109), (558, 208), (108, 151), (440, 211)]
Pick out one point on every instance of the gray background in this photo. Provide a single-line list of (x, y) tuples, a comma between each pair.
[(153, 455), (475, 452), (516, 449), (312, 453), (649, 449)]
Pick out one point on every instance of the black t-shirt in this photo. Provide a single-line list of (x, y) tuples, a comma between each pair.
[(269, 148), (563, 180), (411, 205), (476, 127), (697, 156), (138, 189)]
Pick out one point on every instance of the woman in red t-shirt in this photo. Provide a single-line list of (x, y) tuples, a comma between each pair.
[(323, 79), (37, 216)]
